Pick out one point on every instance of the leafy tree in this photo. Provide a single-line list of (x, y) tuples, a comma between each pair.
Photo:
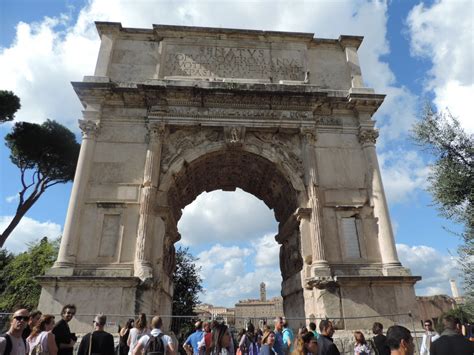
[(452, 180), (22, 290), (187, 285), (9, 104), (46, 155)]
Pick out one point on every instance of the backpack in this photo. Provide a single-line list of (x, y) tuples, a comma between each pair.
[(9, 346), (155, 345), (37, 349)]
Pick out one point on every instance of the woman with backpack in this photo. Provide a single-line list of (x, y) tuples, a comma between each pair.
[(42, 340), (248, 344), (137, 332)]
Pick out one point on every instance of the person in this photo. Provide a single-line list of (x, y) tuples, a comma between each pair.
[(450, 341), (12, 342), (206, 340), (400, 341), (191, 343), (278, 346), (361, 347), (248, 344), (65, 340), (326, 345), (312, 329), (221, 340), (379, 341), (137, 332), (288, 338), (123, 337), (34, 318), (306, 345), (303, 330), (428, 337), (268, 342), (41, 339), (149, 342), (98, 341)]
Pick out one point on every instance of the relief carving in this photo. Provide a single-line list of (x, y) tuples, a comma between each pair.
[(89, 128), (368, 136), (234, 136), (291, 260)]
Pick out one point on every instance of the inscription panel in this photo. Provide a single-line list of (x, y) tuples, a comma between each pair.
[(232, 62)]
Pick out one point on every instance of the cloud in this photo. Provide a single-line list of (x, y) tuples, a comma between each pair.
[(435, 268), (403, 172), (218, 217), (12, 198), (234, 273), (28, 231), (442, 33)]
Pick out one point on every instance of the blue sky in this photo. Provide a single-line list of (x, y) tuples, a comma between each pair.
[(413, 51)]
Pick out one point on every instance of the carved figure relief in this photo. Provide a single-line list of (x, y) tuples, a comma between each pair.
[(291, 260)]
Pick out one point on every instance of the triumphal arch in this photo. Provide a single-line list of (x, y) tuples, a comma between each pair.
[(173, 111)]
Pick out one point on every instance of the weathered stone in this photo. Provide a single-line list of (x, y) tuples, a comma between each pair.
[(175, 111)]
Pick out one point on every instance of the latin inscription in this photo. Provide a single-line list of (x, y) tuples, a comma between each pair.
[(226, 62)]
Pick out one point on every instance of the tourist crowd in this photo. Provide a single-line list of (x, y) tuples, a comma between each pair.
[(38, 334)]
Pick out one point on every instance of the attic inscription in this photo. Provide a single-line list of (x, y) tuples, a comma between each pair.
[(229, 62)]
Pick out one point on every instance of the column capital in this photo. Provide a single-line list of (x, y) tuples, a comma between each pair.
[(89, 128), (156, 131), (368, 136), (309, 134)]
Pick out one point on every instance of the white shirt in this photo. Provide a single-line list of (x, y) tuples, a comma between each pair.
[(424, 350), (134, 336), (155, 332)]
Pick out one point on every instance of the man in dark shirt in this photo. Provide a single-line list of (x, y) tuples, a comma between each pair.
[(325, 342), (65, 340), (451, 341), (379, 340), (99, 341), (400, 341)]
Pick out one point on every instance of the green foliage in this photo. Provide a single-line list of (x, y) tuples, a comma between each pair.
[(452, 179), (9, 105), (22, 290), (50, 148), (459, 312), (51, 151), (187, 285)]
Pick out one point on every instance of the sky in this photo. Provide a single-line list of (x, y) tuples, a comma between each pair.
[(414, 52)]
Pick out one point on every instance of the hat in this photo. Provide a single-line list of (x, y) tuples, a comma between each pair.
[(100, 319)]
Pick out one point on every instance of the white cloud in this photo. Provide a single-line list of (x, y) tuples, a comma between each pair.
[(443, 33), (12, 198), (435, 268), (27, 231), (267, 251), (403, 172), (233, 273), (221, 217)]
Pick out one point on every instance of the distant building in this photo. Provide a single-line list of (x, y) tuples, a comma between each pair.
[(258, 311), (207, 311)]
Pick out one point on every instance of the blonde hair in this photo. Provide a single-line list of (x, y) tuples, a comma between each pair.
[(41, 325)]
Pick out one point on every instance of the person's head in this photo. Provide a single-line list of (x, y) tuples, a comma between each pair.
[(220, 338), (156, 322), (34, 318), (99, 321), (302, 331), (399, 338), (310, 343), (285, 323), (326, 328), (312, 326), (428, 325), (377, 328), (140, 323), (19, 321), (45, 323), (206, 326), (278, 324), (268, 337), (359, 337), (450, 322), (250, 328), (130, 323), (68, 312), (198, 325)]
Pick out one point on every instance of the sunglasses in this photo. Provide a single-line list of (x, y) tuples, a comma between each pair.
[(70, 313), (23, 318)]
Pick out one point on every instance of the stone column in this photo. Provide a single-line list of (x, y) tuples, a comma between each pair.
[(67, 250), (388, 252), (142, 266), (319, 263)]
